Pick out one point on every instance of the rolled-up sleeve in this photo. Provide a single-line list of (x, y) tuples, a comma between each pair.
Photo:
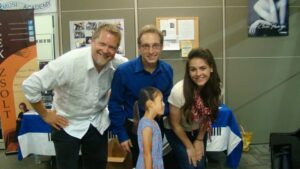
[(32, 89), (48, 78)]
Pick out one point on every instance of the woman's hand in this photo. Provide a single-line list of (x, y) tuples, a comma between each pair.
[(192, 156), (199, 149)]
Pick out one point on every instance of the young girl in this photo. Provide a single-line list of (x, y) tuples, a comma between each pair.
[(149, 135)]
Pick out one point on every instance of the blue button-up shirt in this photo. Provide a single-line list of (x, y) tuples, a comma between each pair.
[(128, 80)]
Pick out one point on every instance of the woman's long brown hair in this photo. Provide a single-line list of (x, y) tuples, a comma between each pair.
[(211, 91)]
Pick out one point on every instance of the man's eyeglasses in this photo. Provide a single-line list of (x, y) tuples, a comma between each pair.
[(155, 46)]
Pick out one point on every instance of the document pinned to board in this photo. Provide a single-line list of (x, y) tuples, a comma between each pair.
[(168, 28), (186, 47), (186, 30)]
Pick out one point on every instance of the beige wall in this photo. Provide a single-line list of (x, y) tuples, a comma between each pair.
[(262, 74)]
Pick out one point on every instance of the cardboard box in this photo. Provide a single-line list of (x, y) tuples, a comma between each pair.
[(117, 158)]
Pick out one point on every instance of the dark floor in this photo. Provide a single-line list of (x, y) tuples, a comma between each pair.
[(257, 158)]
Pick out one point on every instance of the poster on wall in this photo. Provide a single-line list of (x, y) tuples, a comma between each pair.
[(81, 32), (18, 59), (39, 6), (45, 23), (268, 18)]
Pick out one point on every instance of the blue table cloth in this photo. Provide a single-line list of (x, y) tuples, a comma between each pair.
[(226, 136)]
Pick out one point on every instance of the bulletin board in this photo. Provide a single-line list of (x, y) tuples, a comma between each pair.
[(180, 33)]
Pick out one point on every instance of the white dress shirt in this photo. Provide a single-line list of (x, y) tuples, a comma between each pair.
[(80, 93)]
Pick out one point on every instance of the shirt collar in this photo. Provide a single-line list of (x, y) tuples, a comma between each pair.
[(140, 67)]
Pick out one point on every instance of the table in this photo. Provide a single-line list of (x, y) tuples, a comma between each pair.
[(35, 138), (226, 136)]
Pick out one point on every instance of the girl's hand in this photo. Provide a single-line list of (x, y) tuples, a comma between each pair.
[(199, 149), (192, 156)]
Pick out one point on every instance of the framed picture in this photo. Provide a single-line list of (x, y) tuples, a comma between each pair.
[(267, 18)]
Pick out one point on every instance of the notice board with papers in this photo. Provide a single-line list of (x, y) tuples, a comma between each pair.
[(180, 33)]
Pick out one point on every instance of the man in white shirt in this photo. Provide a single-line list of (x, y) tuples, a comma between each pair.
[(81, 81)]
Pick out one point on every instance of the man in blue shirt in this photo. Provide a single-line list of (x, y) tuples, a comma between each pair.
[(146, 70)]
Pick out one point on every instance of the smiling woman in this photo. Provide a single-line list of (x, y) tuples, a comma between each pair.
[(194, 104)]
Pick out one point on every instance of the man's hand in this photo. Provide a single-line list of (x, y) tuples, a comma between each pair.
[(55, 120), (126, 145)]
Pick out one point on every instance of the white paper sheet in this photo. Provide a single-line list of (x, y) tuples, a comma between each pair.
[(171, 45), (186, 30), (168, 27)]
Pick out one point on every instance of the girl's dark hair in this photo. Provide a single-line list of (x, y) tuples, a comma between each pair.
[(211, 91), (24, 106), (147, 93)]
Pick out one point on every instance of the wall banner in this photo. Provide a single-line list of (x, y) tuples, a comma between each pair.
[(39, 6), (18, 59)]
